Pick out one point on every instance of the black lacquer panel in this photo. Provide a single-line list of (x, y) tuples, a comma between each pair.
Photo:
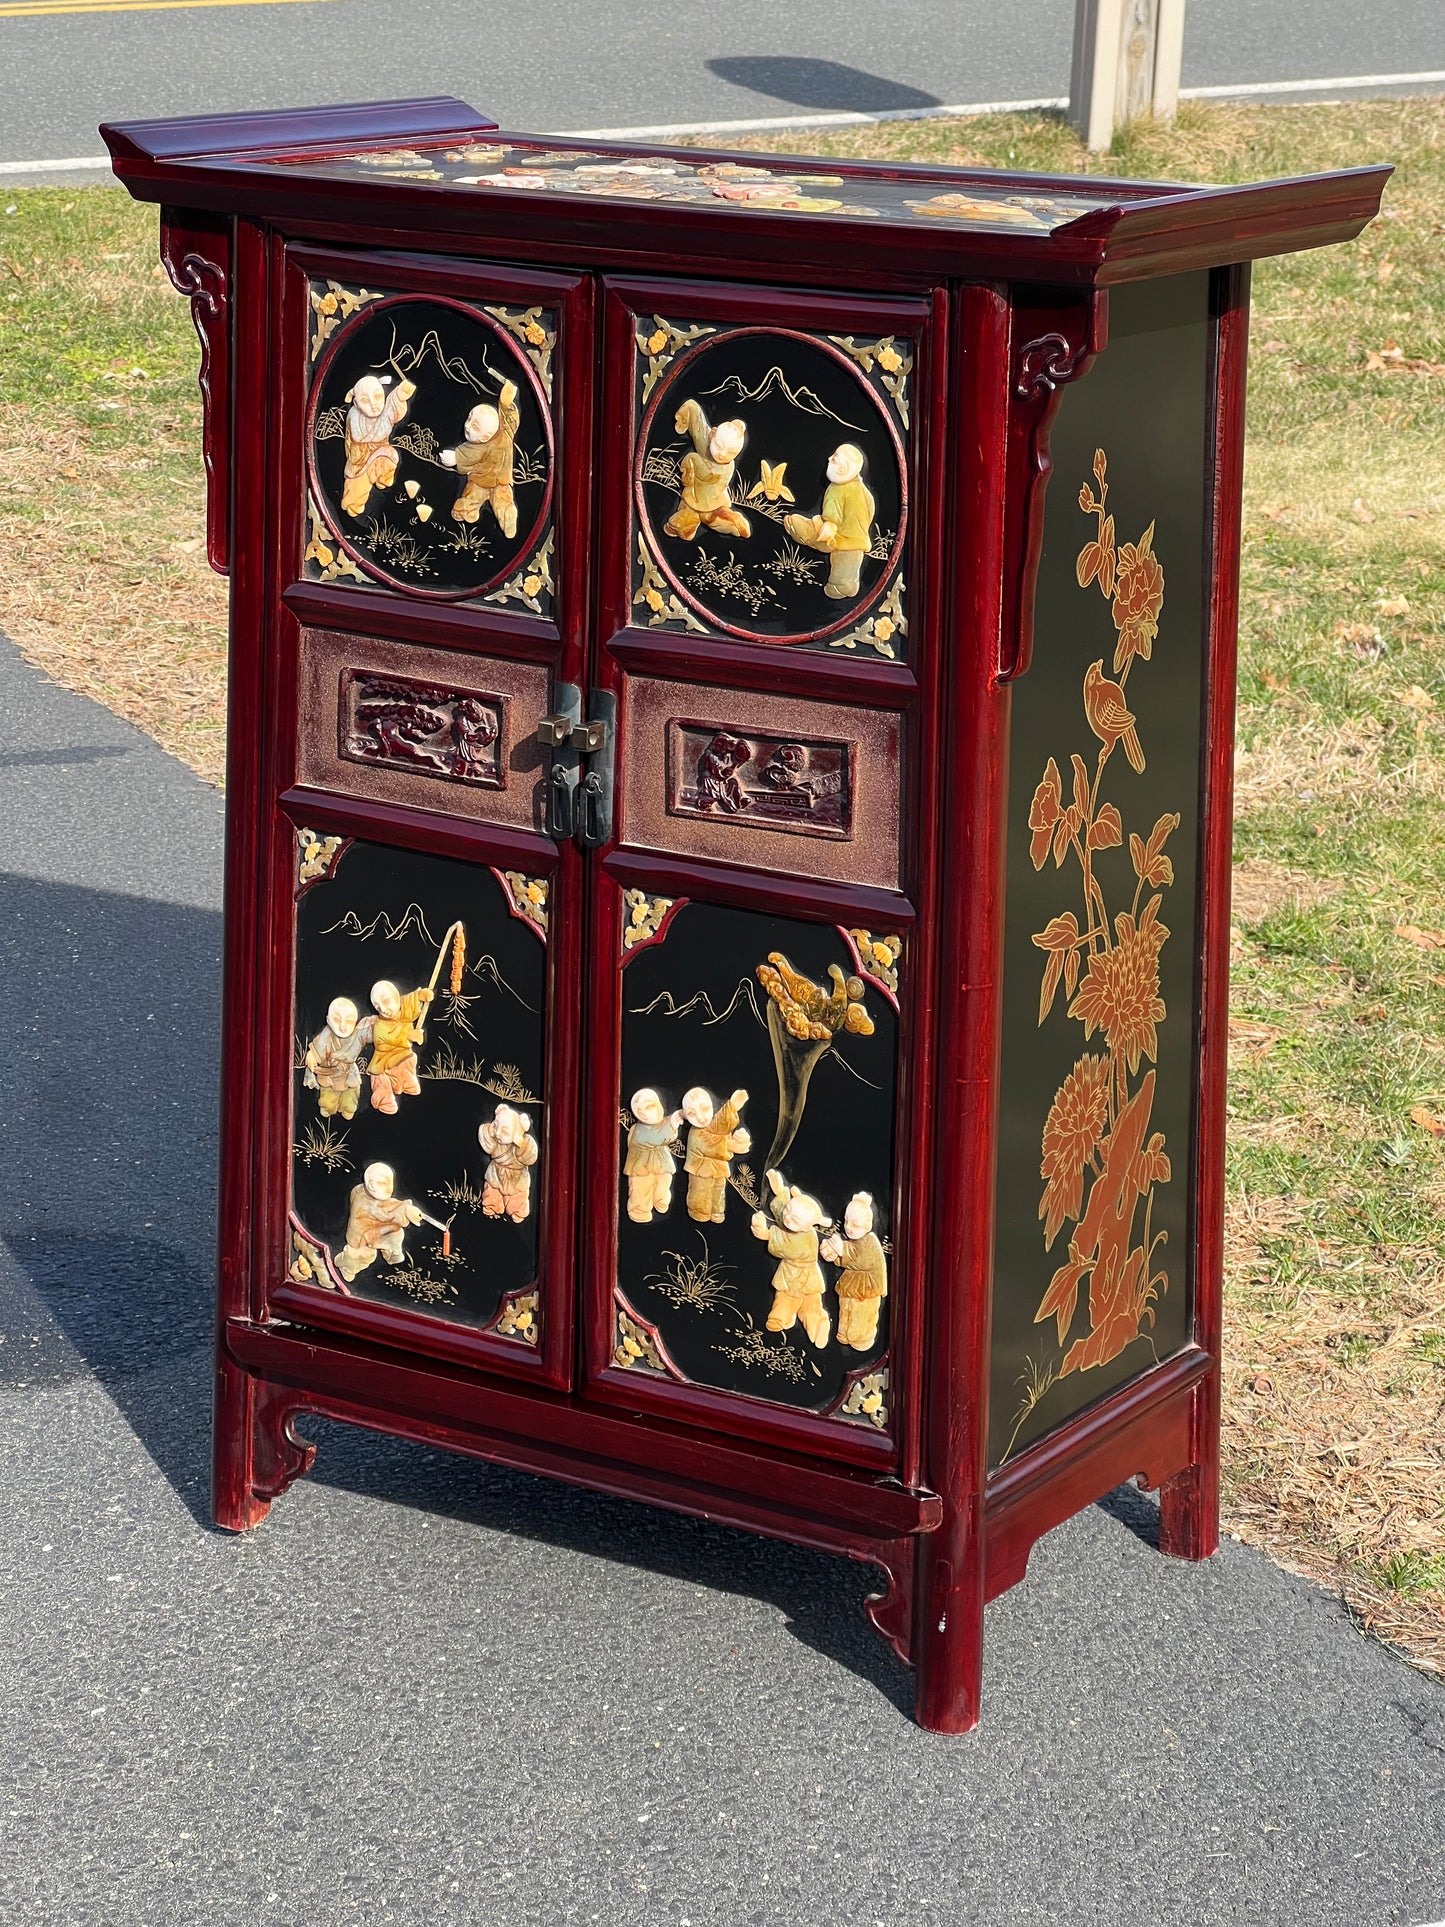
[(1093, 1277), (430, 446), (699, 1017), (771, 482), (380, 915)]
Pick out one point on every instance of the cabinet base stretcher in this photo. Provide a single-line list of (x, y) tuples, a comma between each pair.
[(271, 1376)]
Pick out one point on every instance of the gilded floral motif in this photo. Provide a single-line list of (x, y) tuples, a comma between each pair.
[(530, 583), (657, 598), (644, 917), (893, 362), (868, 1399), (878, 631), (635, 1345), (519, 1318), (1096, 1134), (536, 330), (662, 343), (314, 855)]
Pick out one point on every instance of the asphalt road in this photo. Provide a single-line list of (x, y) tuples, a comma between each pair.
[(559, 65), (429, 1692)]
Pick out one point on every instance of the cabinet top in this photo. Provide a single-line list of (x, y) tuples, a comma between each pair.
[(438, 167)]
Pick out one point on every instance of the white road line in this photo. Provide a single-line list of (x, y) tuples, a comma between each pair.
[(782, 124)]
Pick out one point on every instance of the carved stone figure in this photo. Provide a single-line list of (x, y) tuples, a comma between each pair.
[(395, 1028), (844, 530), (371, 461), (863, 1281), (332, 1066), (650, 1165), (707, 477), (793, 1240), (714, 1139), (507, 1182), (376, 1222), (485, 458)]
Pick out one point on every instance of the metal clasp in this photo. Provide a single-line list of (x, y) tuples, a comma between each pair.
[(580, 805)]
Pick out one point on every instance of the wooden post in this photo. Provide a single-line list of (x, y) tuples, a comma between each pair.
[(1126, 64)]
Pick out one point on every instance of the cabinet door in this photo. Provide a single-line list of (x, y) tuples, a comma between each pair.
[(424, 934), (754, 993)]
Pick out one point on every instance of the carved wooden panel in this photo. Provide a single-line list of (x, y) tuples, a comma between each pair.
[(428, 729), (709, 772), (774, 782), (407, 748)]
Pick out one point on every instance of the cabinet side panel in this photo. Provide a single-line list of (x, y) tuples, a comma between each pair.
[(1093, 1277)]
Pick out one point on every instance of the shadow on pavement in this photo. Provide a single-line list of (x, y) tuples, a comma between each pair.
[(820, 83), (820, 1595), (107, 1255)]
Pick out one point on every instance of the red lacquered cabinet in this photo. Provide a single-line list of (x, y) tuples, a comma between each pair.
[(727, 885)]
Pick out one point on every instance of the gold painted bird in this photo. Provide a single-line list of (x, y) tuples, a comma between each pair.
[(1109, 715)]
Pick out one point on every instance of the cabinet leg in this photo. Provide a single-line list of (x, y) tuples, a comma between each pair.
[(1189, 1502), (256, 1452), (948, 1632)]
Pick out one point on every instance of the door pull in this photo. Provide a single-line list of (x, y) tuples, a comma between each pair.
[(557, 733), (594, 798)]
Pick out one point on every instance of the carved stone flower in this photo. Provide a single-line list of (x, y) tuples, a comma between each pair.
[(656, 341), (889, 358), (883, 628), (535, 333), (1072, 1134)]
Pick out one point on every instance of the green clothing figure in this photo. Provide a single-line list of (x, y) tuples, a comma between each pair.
[(844, 531)]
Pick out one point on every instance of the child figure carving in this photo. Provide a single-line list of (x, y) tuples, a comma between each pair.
[(371, 461), (650, 1165), (714, 1139), (844, 531), (863, 1280), (485, 457), (395, 1028), (332, 1066), (507, 1182), (793, 1241), (376, 1222), (707, 477)]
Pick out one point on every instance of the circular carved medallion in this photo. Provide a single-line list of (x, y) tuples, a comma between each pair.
[(770, 485), (430, 448)]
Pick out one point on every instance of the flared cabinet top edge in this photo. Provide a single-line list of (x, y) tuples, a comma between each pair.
[(440, 167)]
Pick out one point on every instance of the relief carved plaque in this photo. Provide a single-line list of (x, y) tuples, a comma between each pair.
[(425, 728), (774, 782)]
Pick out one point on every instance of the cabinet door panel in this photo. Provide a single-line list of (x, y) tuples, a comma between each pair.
[(749, 1043), (430, 1174), (736, 776)]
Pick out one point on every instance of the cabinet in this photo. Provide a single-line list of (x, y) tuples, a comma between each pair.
[(727, 882)]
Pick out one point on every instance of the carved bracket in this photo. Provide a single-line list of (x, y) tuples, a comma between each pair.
[(891, 1611), (1059, 345), (196, 252)]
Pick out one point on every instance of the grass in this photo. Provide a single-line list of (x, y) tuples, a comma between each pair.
[(1335, 1347)]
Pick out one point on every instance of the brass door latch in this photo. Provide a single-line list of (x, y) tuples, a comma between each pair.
[(580, 803)]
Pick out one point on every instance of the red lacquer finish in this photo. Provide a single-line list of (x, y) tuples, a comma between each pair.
[(999, 319)]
